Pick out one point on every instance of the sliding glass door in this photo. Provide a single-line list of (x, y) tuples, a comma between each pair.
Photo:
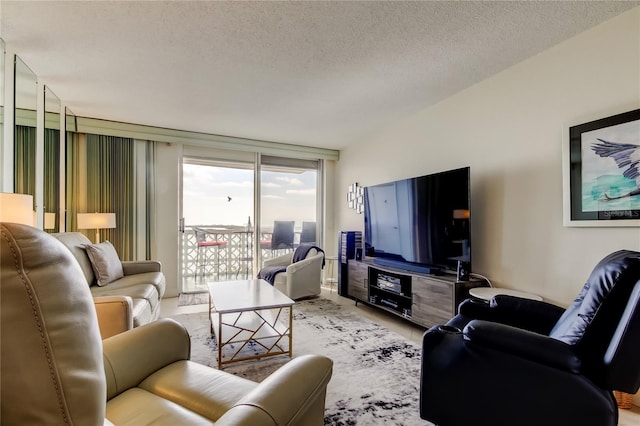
[(233, 212), (217, 205)]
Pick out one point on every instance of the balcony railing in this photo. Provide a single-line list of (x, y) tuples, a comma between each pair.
[(230, 261)]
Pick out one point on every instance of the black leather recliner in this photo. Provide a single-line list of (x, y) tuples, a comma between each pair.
[(519, 362)]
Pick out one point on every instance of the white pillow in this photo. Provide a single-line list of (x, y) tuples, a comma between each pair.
[(105, 262)]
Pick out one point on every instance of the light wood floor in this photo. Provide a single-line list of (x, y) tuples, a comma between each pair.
[(408, 330)]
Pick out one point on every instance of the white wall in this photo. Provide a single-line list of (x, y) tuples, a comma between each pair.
[(509, 129)]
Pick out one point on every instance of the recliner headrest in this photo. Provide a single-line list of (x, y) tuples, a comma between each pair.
[(611, 282)]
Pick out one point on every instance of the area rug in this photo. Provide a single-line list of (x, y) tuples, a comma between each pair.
[(376, 372), (186, 299)]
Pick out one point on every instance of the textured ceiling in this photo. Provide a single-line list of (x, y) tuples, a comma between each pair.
[(314, 73)]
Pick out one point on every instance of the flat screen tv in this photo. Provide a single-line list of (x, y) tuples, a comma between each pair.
[(420, 223)]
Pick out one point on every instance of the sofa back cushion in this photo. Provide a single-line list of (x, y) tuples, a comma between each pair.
[(75, 242)]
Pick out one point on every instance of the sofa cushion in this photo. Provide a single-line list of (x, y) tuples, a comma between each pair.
[(145, 290), (183, 382), (105, 262), (139, 407), (127, 285)]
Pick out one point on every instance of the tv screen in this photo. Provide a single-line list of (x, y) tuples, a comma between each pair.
[(421, 221)]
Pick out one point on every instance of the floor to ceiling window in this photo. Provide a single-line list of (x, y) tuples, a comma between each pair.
[(229, 210)]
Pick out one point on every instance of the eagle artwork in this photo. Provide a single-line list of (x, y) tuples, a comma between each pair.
[(627, 158)]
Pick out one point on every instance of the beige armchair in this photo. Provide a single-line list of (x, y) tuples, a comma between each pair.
[(56, 369), (300, 279)]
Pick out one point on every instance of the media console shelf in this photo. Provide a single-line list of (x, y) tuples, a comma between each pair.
[(424, 299)]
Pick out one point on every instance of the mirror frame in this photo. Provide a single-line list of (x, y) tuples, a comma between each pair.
[(25, 95), (51, 166)]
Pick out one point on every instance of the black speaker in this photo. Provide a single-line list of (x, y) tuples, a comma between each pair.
[(358, 253), (463, 271), (348, 243)]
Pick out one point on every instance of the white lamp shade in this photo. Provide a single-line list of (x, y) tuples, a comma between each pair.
[(49, 220), (96, 220), (16, 208)]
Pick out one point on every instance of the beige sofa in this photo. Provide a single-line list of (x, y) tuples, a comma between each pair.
[(57, 370), (128, 302)]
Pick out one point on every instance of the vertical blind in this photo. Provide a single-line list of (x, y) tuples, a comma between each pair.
[(52, 173), (101, 178), (24, 160)]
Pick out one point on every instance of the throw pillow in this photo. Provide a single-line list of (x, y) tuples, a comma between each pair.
[(105, 262)]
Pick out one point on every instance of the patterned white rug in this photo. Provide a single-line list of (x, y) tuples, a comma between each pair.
[(376, 372), (186, 299)]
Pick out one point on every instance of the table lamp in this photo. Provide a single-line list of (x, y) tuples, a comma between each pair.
[(96, 221), (16, 208)]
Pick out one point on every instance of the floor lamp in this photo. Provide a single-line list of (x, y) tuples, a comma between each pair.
[(96, 221), (16, 208)]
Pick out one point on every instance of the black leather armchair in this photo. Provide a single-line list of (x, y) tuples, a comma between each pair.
[(521, 362)]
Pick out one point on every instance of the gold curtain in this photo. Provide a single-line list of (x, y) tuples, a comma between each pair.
[(111, 188), (24, 160), (52, 174), (101, 178)]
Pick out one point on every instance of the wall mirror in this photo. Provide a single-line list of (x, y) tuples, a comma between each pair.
[(52, 109), (24, 146), (70, 119), (2, 53)]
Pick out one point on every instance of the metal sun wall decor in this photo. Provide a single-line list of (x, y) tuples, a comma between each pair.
[(355, 197)]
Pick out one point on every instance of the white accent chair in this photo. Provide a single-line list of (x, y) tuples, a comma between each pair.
[(301, 279)]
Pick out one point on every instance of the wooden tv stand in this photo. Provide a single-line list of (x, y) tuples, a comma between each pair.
[(424, 299)]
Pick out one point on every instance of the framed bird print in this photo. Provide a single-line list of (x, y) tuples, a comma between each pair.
[(601, 172)]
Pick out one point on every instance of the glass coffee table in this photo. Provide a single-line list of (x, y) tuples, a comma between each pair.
[(250, 319)]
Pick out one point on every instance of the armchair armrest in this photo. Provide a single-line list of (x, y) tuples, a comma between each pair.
[(523, 344), (132, 267), (132, 356), (282, 260), (115, 314), (294, 394), (531, 315)]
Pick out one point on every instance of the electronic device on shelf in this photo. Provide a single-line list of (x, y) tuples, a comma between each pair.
[(389, 283), (420, 224)]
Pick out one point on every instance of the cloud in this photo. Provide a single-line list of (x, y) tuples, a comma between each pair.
[(245, 184), (288, 180), (270, 185), (309, 191)]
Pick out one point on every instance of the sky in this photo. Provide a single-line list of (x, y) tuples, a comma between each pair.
[(207, 189)]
